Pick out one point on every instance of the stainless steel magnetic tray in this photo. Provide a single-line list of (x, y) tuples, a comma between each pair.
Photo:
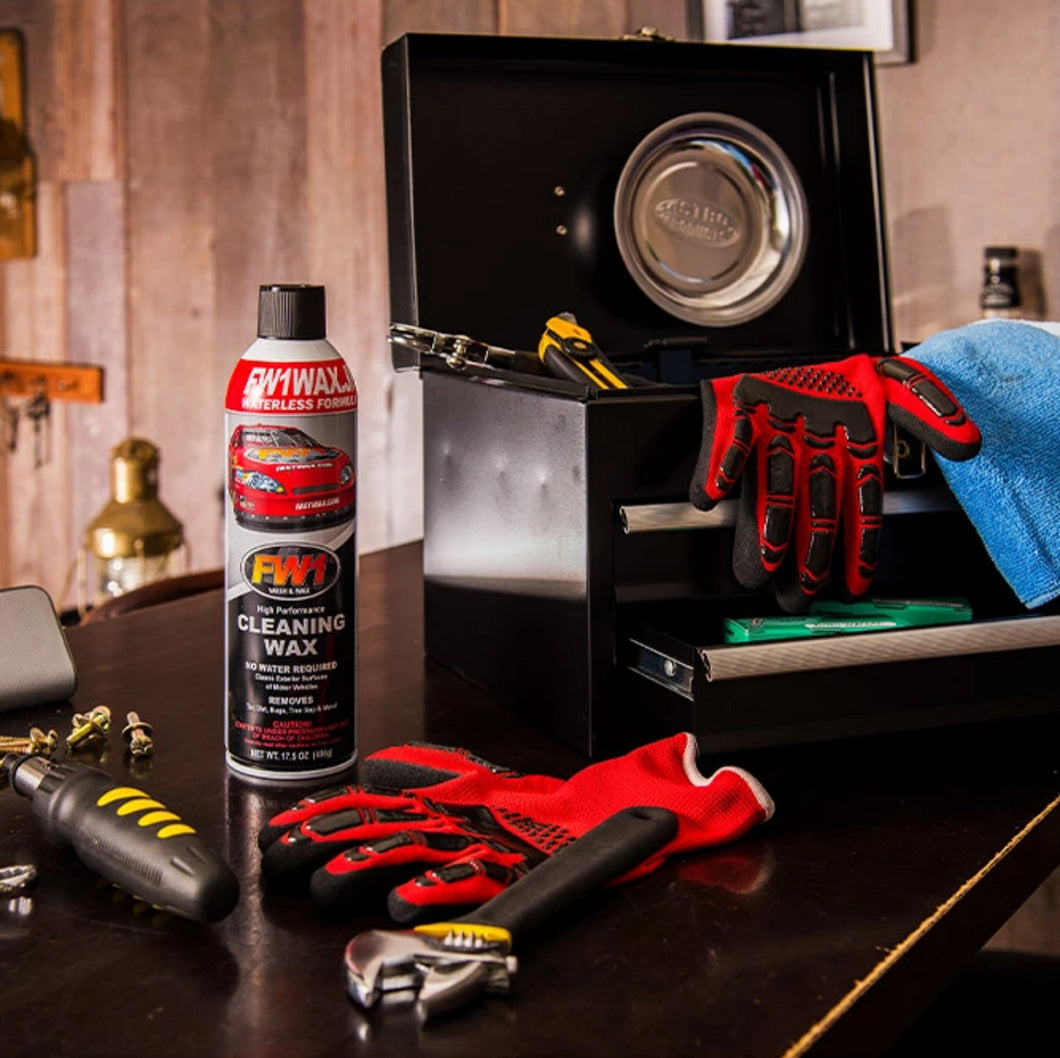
[(711, 219)]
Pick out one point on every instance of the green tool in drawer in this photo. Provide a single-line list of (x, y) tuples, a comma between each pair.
[(837, 618)]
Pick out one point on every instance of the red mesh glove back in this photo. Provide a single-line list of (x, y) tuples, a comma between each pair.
[(808, 442), (473, 828)]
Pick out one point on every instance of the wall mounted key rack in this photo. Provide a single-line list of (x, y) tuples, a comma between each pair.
[(57, 380), (27, 390)]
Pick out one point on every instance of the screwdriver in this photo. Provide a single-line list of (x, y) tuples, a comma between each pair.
[(126, 836), (567, 349)]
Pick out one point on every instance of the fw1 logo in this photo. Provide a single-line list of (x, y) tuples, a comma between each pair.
[(293, 571)]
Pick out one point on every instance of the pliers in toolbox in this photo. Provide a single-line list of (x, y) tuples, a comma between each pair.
[(411, 346)]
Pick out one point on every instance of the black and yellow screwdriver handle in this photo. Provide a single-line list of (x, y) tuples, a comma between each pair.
[(568, 351), (126, 836)]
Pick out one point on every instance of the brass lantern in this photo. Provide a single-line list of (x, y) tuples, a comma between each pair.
[(134, 537)]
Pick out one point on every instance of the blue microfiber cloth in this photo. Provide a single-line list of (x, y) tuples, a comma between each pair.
[(1007, 376)]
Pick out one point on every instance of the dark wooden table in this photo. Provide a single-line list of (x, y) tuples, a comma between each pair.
[(888, 863)]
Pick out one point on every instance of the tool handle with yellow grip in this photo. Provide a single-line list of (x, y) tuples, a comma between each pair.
[(127, 836), (568, 351)]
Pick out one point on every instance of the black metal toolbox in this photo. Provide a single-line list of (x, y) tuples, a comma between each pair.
[(702, 209)]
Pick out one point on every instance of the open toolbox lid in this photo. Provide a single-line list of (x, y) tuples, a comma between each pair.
[(719, 199)]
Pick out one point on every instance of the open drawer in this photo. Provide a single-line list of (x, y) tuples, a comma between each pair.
[(681, 671)]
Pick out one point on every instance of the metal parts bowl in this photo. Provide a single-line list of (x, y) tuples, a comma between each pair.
[(710, 218)]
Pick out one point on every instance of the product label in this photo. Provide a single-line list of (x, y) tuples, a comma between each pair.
[(291, 544), (290, 572), (291, 659), (999, 295), (309, 388)]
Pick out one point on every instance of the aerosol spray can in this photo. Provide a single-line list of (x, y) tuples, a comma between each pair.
[(291, 546)]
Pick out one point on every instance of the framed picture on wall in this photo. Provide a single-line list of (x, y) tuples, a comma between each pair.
[(882, 26)]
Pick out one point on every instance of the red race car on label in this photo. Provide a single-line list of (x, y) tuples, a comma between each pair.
[(279, 478)]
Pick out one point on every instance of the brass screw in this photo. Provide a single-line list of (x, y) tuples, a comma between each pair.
[(88, 725), (41, 743), (37, 743), (138, 735)]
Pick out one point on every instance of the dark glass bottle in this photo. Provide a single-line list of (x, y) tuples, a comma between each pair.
[(1000, 297)]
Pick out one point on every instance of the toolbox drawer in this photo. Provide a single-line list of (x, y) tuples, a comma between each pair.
[(680, 674)]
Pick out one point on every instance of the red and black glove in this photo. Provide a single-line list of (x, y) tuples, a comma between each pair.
[(808, 442), (445, 830)]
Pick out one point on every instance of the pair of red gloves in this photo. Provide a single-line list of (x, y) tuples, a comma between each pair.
[(442, 829), (808, 444)]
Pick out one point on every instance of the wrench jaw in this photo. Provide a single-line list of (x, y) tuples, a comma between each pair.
[(452, 984), (439, 973), (365, 960)]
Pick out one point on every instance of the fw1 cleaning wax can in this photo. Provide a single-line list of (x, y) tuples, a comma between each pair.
[(291, 546)]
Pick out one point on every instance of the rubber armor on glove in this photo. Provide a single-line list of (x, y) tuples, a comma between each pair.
[(808, 444), (443, 829)]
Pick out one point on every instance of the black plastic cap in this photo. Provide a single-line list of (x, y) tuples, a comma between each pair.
[(294, 311), (1004, 253)]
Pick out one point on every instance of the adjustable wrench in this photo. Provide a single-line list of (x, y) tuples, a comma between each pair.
[(445, 964)]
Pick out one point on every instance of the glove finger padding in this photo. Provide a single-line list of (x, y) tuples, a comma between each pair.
[(809, 442), (759, 543), (728, 439), (421, 869), (918, 401), (352, 817), (467, 882), (475, 828), (329, 802)]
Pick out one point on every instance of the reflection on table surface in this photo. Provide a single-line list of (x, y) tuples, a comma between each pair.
[(889, 861)]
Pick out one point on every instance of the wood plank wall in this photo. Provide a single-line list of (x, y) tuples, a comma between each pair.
[(189, 150)]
